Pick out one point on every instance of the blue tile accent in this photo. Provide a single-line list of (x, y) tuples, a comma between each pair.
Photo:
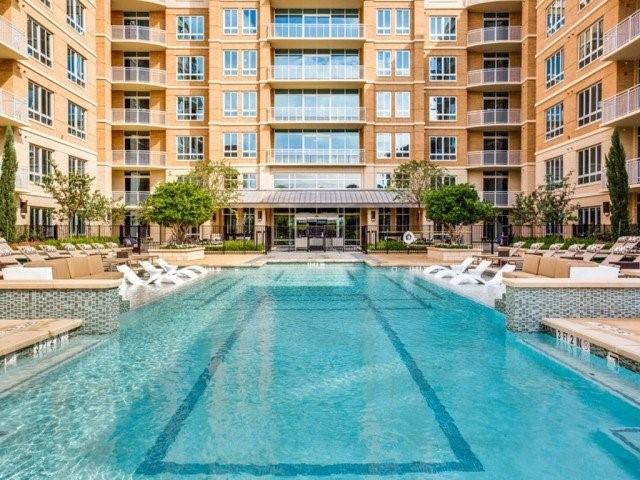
[(620, 434)]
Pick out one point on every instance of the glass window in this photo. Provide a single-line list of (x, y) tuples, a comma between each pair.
[(555, 16), (75, 67), (230, 26), (590, 165), (442, 28), (314, 181), (249, 181), (442, 68), (189, 148), (249, 63), (190, 27), (442, 108), (403, 104), (76, 120), (230, 145), (230, 104), (383, 180), (403, 21), (383, 104), (40, 104), (383, 145), (403, 145), (554, 121), (590, 104), (590, 44), (39, 162), (230, 63), (554, 170), (190, 108), (77, 165), (39, 42), (190, 68), (443, 148), (403, 63), (383, 63), (583, 3), (589, 216), (249, 142), (249, 104), (383, 21), (75, 15), (249, 21), (554, 68)]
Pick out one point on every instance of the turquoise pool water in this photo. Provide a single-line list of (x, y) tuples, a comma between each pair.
[(289, 370)]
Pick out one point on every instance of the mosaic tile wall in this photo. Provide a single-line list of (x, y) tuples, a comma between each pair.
[(526, 307), (99, 309)]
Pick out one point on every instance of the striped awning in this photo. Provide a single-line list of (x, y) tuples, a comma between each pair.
[(350, 198)]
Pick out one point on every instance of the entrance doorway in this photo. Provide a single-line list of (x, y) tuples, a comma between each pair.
[(319, 231)]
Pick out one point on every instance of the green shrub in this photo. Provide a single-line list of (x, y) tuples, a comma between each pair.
[(235, 246), (389, 244)]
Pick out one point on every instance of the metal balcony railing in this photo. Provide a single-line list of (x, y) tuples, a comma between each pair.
[(633, 172), (22, 179), (623, 33), (317, 114), (134, 32), (139, 158), (138, 75), (480, 118), (13, 107), (329, 31), (490, 76), (316, 72), (131, 199), (494, 35), (494, 158), (623, 104), (13, 37), (288, 156), (499, 199), (137, 116)]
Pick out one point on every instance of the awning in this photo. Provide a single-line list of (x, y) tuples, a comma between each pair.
[(350, 198)]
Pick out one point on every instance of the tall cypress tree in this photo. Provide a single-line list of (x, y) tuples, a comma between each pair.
[(8, 206), (618, 184)]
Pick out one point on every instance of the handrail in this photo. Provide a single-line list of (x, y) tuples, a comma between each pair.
[(494, 34), (499, 199), (137, 115), (13, 36), (623, 33), (287, 156), (138, 75), (135, 32), (330, 30), (491, 158), (138, 157), (493, 75), (621, 105), (318, 114), (493, 117), (131, 198), (316, 72), (13, 106)]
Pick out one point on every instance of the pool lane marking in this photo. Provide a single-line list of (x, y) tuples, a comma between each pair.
[(411, 294)]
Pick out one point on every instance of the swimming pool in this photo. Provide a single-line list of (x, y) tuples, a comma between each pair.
[(290, 370)]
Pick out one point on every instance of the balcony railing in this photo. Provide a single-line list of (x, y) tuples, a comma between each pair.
[(13, 37), (138, 75), (316, 72), (13, 107), (139, 158), (136, 33), (480, 118), (490, 76), (623, 104), (494, 35), (285, 156), (633, 172), (131, 199), (22, 179), (499, 199), (623, 33), (494, 158), (329, 31), (317, 114), (137, 116)]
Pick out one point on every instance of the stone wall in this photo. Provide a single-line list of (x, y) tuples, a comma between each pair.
[(526, 307)]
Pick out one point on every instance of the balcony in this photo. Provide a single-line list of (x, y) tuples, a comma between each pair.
[(622, 110), (316, 157), (144, 159), (622, 42), (495, 39), (493, 5), (133, 119), (494, 79), (131, 199), (493, 119), (315, 4), (13, 110), (13, 42), (138, 79), (22, 180), (131, 38), (494, 158), (138, 5), (328, 35), (333, 76), (317, 117), (633, 172), (499, 199)]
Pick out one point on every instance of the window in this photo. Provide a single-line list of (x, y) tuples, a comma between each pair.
[(383, 145), (77, 165), (590, 44), (40, 104), (383, 63), (403, 102), (589, 216), (403, 21), (403, 63), (555, 16), (230, 104), (39, 42), (554, 170), (554, 121), (442, 28), (249, 141), (39, 163), (383, 180), (230, 65), (249, 21), (590, 165), (189, 148), (403, 144), (443, 148), (46, 3), (190, 27), (40, 217), (555, 68), (443, 181), (76, 120), (383, 104), (583, 3), (75, 67), (442, 108), (75, 15), (190, 68), (249, 104), (314, 181), (442, 68), (249, 62), (230, 145), (590, 104), (383, 22), (230, 21), (190, 108), (249, 181)]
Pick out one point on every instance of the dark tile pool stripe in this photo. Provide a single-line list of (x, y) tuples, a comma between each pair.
[(411, 294), (619, 433)]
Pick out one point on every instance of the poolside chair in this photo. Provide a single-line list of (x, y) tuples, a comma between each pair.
[(52, 253), (554, 249), (616, 255), (473, 278), (535, 247), (32, 254), (591, 251), (104, 251), (573, 251), (477, 270), (88, 249), (632, 243), (460, 267), (168, 277), (132, 277), (8, 258), (72, 250), (162, 263), (149, 268)]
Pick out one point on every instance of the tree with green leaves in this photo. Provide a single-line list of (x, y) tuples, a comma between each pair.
[(220, 180), (524, 210), (178, 206), (618, 185), (411, 180), (8, 205), (456, 206), (554, 202)]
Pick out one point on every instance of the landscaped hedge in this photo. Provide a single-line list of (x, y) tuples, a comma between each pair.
[(235, 246)]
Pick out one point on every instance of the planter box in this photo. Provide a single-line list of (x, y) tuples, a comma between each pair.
[(178, 255), (451, 255)]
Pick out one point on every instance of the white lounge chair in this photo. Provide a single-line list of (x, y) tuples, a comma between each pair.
[(473, 278), (168, 277), (132, 277), (477, 270), (162, 263), (460, 267)]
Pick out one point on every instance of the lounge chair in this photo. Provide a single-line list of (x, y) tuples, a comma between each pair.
[(150, 268), (53, 253), (591, 251), (474, 278), (616, 255), (573, 251), (88, 249), (554, 250), (477, 270), (535, 248), (8, 258), (132, 277), (162, 263), (32, 254), (460, 267), (72, 250), (167, 277)]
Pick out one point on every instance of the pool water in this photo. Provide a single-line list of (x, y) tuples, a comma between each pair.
[(290, 370)]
